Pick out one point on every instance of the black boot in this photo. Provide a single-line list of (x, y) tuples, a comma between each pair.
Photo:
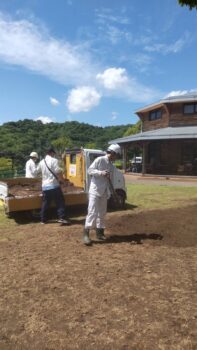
[(100, 234), (86, 238)]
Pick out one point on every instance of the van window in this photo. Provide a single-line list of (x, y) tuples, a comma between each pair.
[(73, 158), (93, 156)]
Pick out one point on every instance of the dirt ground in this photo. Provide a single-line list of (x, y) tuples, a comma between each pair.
[(136, 291)]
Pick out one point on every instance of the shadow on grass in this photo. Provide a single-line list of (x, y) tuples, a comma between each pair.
[(134, 238)]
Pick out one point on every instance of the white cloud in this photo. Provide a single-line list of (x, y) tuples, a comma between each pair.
[(180, 93), (114, 115), (142, 61), (115, 35), (54, 101), (25, 44), (44, 120), (112, 27), (30, 46), (113, 78), (106, 16), (164, 48), (82, 99), (176, 93), (117, 83), (139, 92)]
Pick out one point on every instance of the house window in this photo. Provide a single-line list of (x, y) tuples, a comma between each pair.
[(190, 108), (154, 115)]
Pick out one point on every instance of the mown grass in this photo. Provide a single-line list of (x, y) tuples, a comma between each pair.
[(160, 196), (3, 217), (12, 221)]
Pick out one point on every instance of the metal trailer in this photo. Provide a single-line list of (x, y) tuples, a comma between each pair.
[(29, 202)]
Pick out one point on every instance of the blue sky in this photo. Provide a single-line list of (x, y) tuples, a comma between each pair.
[(93, 61)]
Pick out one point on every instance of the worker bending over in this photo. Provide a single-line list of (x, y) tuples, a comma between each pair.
[(101, 171)]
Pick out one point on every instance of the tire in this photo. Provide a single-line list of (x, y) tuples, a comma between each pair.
[(122, 197), (120, 204)]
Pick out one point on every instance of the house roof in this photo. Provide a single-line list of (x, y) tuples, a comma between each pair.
[(170, 133), (191, 97)]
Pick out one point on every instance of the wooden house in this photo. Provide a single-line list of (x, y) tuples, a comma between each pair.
[(168, 138)]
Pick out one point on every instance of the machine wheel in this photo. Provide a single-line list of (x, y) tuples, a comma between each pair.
[(120, 203), (121, 197)]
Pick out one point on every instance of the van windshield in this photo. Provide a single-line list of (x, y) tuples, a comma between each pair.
[(93, 156)]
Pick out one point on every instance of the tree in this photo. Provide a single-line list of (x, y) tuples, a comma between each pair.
[(191, 3), (19, 139), (134, 129), (90, 145), (62, 143)]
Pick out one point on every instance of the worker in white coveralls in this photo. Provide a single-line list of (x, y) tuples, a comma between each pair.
[(30, 166), (101, 171)]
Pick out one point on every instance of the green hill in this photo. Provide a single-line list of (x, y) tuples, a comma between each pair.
[(20, 138)]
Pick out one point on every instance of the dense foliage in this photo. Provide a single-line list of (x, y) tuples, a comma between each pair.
[(134, 129), (20, 138), (191, 3)]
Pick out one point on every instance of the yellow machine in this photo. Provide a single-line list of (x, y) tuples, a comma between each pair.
[(77, 163), (74, 163)]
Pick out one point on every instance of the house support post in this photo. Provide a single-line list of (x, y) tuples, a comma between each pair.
[(143, 158), (124, 153)]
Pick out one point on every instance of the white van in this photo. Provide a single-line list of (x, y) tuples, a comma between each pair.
[(136, 164)]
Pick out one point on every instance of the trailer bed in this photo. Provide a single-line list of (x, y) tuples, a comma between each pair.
[(22, 194)]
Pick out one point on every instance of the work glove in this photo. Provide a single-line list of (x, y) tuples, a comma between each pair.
[(105, 173)]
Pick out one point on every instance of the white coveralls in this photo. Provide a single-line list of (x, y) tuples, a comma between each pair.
[(30, 168), (98, 192)]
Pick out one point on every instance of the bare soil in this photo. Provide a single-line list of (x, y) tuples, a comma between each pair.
[(35, 189), (136, 291)]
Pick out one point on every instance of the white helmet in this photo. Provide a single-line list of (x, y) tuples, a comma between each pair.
[(114, 148), (34, 155)]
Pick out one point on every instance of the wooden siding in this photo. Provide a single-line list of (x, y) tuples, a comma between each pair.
[(178, 118), (147, 124), (170, 156), (172, 115)]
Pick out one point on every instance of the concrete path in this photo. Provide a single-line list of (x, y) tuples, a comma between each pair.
[(166, 180)]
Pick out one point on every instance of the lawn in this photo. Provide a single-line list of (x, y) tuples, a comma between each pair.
[(160, 196)]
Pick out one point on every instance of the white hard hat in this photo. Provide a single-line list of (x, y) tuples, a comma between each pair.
[(34, 155), (114, 148)]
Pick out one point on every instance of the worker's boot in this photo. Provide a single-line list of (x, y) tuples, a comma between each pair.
[(100, 234), (86, 238)]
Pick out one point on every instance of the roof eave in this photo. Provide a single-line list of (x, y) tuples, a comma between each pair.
[(153, 135), (174, 99)]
